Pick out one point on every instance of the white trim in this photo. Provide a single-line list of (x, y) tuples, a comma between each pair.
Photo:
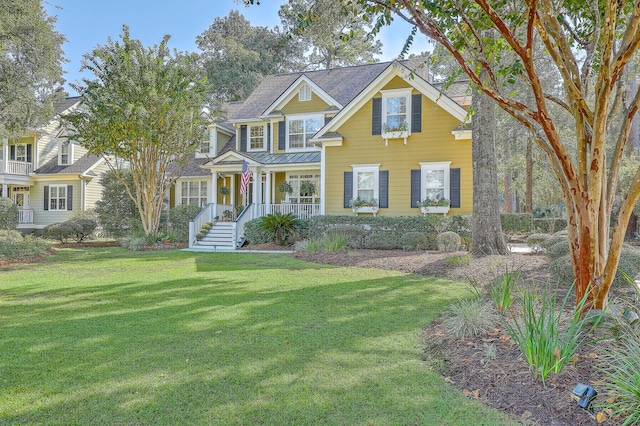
[(395, 69), (308, 144), (264, 138), (292, 91), (70, 150), (305, 93), (434, 166), (462, 134), (57, 197), (396, 93), (366, 168)]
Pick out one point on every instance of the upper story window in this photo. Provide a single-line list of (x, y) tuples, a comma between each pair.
[(65, 156), (300, 130), (396, 108), (205, 145), (20, 152), (257, 138), (305, 93)]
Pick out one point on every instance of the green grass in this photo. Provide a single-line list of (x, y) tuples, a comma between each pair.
[(109, 336)]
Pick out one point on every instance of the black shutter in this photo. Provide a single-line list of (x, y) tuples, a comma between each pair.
[(416, 113), (327, 120), (269, 137), (348, 188), (416, 190), (454, 185), (69, 197), (282, 135), (243, 138), (12, 155), (29, 150), (376, 116), (383, 181), (46, 197)]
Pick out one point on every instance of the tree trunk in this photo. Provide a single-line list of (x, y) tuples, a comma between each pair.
[(486, 229), (528, 203)]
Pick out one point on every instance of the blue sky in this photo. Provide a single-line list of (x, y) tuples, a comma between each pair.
[(87, 23)]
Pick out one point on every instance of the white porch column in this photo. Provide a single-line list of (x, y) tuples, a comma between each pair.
[(214, 187), (257, 184), (232, 199), (5, 156), (267, 186)]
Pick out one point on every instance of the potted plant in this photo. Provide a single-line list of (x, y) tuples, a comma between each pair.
[(395, 132), (226, 215), (285, 187), (364, 206), (307, 188), (435, 204), (224, 191)]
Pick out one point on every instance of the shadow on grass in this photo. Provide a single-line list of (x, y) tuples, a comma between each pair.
[(293, 343)]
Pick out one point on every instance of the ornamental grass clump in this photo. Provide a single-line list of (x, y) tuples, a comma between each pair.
[(469, 318), (548, 340), (502, 290)]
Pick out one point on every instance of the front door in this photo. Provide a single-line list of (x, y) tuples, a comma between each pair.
[(21, 199)]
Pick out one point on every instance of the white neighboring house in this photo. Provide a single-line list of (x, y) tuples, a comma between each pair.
[(48, 176)]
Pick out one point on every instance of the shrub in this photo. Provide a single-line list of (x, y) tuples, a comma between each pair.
[(554, 239), (449, 241), (458, 260), (334, 243), (257, 235), (469, 318), (559, 249), (546, 339), (629, 264), (535, 241), (8, 214), (354, 234), (180, 217), (14, 246), (282, 225), (622, 378), (415, 241), (549, 225), (117, 212), (77, 230), (134, 242), (516, 223)]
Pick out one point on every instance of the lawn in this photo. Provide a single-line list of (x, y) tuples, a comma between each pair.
[(108, 336)]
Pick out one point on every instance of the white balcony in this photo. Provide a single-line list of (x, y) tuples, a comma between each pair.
[(16, 168)]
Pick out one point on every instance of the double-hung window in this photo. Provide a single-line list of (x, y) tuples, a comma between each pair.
[(396, 108), (65, 154), (57, 197), (257, 137), (194, 193), (366, 182), (300, 130), (435, 180)]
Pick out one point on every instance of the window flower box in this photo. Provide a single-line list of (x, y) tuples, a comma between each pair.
[(434, 206), (435, 210), (357, 210), (363, 206), (398, 132)]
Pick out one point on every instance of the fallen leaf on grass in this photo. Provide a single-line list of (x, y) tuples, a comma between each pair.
[(601, 417)]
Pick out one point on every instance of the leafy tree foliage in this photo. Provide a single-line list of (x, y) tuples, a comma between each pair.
[(30, 65), (143, 108), (331, 37), (116, 210), (589, 47), (237, 55), (8, 214)]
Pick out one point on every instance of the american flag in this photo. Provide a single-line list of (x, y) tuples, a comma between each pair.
[(244, 181)]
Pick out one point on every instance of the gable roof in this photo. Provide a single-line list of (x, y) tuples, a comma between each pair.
[(64, 104), (341, 84), (82, 165)]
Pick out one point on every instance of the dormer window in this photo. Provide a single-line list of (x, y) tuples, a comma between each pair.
[(305, 93), (65, 155), (205, 145)]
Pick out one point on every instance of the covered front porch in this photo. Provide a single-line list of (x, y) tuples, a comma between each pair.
[(278, 183)]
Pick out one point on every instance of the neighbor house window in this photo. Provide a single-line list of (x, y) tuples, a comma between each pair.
[(435, 180), (205, 145), (57, 197), (257, 138), (64, 157), (301, 129), (305, 93), (19, 152), (396, 105), (194, 193), (366, 182)]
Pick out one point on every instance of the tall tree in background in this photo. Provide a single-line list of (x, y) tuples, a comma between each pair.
[(237, 56), (143, 108), (590, 46), (30, 65), (332, 37)]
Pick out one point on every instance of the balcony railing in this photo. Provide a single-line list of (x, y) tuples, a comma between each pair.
[(25, 216), (16, 168)]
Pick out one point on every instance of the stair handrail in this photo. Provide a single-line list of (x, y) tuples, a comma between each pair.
[(239, 223), (206, 215)]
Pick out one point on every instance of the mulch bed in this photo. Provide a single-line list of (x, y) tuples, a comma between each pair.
[(505, 382)]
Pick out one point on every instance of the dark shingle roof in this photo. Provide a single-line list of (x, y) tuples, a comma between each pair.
[(342, 84), (192, 169), (81, 165), (66, 103)]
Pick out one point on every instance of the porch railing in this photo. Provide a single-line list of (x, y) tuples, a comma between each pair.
[(25, 216), (16, 168), (303, 211), (243, 218)]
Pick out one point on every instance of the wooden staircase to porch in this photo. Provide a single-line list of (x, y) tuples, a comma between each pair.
[(220, 236)]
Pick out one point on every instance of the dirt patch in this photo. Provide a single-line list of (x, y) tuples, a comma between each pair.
[(503, 381), (267, 246)]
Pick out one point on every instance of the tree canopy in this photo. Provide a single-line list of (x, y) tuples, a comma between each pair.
[(31, 59), (237, 55), (142, 110)]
